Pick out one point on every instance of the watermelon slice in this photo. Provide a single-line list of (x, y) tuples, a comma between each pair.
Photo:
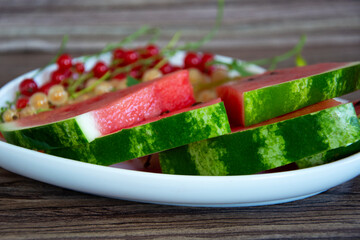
[(249, 151), (83, 122), (168, 131), (262, 97)]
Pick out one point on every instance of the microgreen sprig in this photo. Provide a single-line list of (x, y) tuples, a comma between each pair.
[(275, 60), (76, 83), (242, 66), (9, 105), (145, 29), (62, 47), (190, 46), (92, 86), (168, 50)]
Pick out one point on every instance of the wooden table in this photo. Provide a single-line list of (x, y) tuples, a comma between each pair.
[(29, 35)]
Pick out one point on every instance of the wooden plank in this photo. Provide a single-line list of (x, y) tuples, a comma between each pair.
[(31, 209), (39, 25)]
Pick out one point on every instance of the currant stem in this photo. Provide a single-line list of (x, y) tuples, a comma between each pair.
[(76, 83), (92, 86)]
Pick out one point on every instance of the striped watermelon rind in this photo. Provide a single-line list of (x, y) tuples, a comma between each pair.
[(266, 147), (163, 134), (269, 102), (329, 156), (62, 133)]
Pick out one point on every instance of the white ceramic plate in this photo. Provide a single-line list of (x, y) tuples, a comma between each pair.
[(226, 191)]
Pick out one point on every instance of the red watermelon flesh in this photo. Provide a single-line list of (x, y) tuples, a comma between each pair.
[(117, 110), (169, 114), (357, 107), (233, 93), (303, 111)]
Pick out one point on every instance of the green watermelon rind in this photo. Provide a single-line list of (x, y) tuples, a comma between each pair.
[(62, 133), (166, 133), (266, 147), (272, 101), (329, 156)]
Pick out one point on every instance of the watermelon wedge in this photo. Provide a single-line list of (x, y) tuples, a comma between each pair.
[(262, 97), (254, 150), (168, 131), (82, 122)]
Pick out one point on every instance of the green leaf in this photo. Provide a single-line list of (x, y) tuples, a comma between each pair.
[(130, 81)]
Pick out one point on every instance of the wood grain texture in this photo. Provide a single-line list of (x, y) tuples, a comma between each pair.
[(31, 209), (250, 29), (30, 32), (39, 25)]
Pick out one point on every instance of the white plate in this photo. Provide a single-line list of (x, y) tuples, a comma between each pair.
[(226, 191)]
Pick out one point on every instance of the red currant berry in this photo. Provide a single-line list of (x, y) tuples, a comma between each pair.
[(166, 68), (150, 50), (64, 62), (206, 58), (209, 70), (28, 86), (192, 60), (45, 88), (67, 73), (79, 67), (100, 69), (120, 76), (118, 53), (135, 72), (58, 76), (21, 103), (155, 62), (175, 68), (131, 57)]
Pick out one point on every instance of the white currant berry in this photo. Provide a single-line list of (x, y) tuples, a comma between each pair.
[(58, 95), (10, 115), (151, 74), (39, 100)]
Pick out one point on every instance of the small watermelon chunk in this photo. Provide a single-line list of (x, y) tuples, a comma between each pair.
[(84, 121), (266, 147), (168, 131), (331, 155), (262, 97)]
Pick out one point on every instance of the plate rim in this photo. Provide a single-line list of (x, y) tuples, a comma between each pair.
[(191, 187)]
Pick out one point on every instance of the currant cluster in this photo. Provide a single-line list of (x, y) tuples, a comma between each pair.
[(70, 82)]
